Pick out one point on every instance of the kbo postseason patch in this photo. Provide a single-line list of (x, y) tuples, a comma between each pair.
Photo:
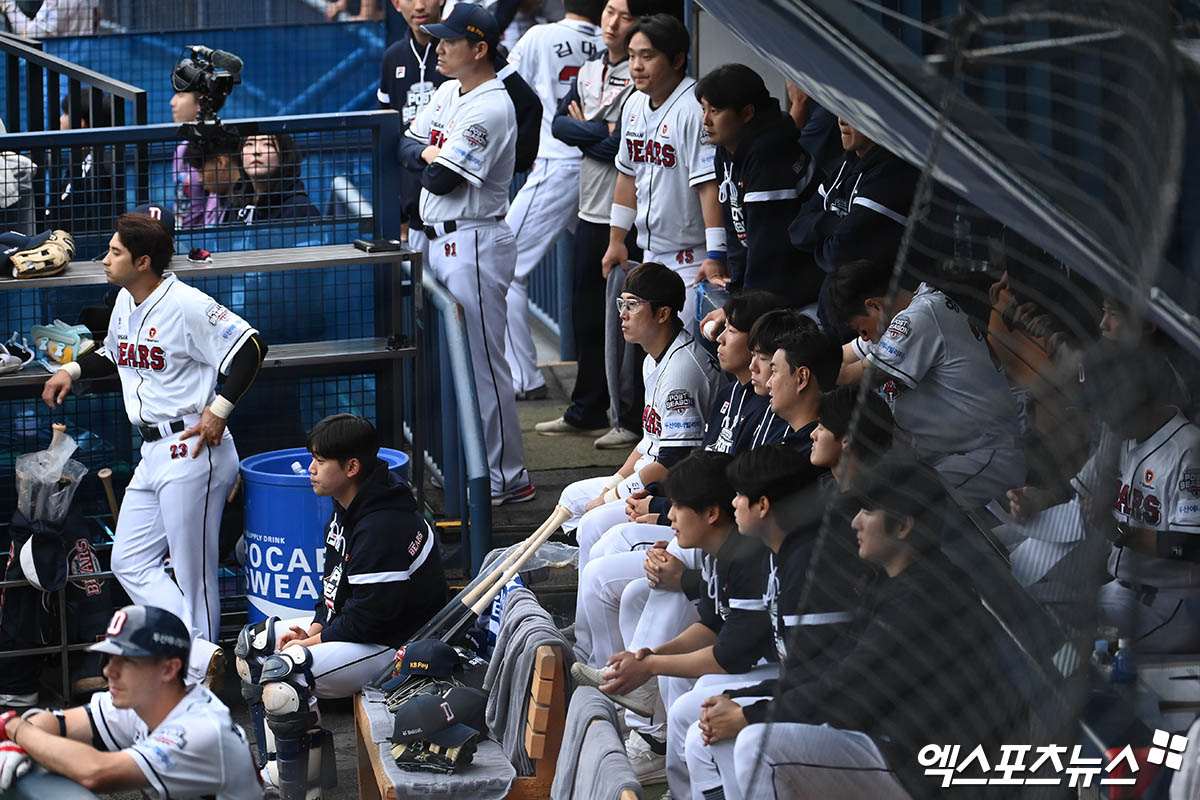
[(679, 400)]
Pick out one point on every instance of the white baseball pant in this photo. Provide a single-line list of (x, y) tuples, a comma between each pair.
[(789, 759), (547, 204), (651, 618), (575, 498), (685, 712), (340, 669), (476, 263), (173, 506), (685, 264), (714, 765)]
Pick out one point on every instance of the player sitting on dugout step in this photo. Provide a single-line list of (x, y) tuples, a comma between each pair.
[(548, 56), (764, 175), (800, 638), (680, 381), (733, 633), (667, 185), (919, 668), (272, 190), (150, 731), (383, 580), (948, 393), (1147, 466), (618, 556), (167, 342)]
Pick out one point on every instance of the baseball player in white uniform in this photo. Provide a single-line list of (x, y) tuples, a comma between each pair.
[(466, 137), (681, 380), (946, 388), (167, 342), (548, 57), (667, 184), (149, 731)]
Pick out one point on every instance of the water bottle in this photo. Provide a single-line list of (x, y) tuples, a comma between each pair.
[(1100, 656), (1124, 668), (298, 468)]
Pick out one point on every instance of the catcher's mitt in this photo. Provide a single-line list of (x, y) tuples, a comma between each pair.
[(430, 757), (50, 258)]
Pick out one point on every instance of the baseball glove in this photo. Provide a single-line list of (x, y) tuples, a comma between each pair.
[(429, 757), (50, 258)]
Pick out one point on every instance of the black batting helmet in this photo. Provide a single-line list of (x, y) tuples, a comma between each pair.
[(145, 632)]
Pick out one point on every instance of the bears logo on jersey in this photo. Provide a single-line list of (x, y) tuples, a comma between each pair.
[(141, 357)]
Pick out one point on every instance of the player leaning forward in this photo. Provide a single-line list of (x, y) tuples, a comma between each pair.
[(167, 341)]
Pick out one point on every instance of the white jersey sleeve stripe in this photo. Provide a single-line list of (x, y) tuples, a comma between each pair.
[(747, 604), (826, 618), (410, 133), (397, 575), (880, 208), (237, 345), (774, 194), (892, 370)]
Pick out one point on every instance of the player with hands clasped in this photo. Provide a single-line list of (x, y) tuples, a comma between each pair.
[(150, 730), (466, 138), (667, 184), (167, 342)]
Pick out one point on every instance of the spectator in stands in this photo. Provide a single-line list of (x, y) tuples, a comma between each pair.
[(51, 18), (190, 200), (764, 176), (362, 11), (861, 212), (947, 391), (548, 56), (1150, 454), (733, 633), (80, 192), (272, 190), (408, 81), (919, 669), (216, 160), (805, 361), (603, 397)]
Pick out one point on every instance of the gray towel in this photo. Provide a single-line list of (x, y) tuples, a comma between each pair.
[(524, 627), (592, 764)]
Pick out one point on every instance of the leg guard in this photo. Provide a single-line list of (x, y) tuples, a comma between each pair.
[(304, 759), (254, 643)]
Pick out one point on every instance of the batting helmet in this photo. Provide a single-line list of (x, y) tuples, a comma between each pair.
[(145, 632)]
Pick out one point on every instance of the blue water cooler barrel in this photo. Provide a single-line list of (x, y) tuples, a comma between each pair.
[(285, 532)]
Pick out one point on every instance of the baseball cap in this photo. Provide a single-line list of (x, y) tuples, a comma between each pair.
[(160, 213), (431, 657), (15, 241), (442, 720), (656, 283), (468, 21), (145, 632)]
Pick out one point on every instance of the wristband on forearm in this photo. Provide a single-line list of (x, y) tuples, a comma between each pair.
[(221, 407), (623, 217), (714, 243)]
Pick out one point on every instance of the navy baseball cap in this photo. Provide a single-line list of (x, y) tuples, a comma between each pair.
[(145, 632), (440, 720), (431, 657), (159, 212), (467, 21)]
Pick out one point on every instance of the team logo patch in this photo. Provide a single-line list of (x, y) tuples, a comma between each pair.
[(899, 328), (664, 129), (724, 406), (171, 735), (477, 135), (400, 72), (679, 400), (1149, 476), (216, 313), (1190, 482), (153, 332)]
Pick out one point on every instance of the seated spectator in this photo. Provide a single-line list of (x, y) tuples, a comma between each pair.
[(80, 190), (1150, 454), (860, 213), (948, 394), (215, 159), (191, 204), (920, 669), (764, 176), (272, 189)]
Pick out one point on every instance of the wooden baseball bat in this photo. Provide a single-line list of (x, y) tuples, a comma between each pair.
[(105, 476)]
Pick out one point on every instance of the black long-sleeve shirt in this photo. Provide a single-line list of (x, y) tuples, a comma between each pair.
[(732, 605)]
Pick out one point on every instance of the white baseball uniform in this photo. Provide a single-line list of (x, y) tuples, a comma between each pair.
[(667, 152), (679, 388), (197, 751), (956, 410), (471, 248), (168, 350), (548, 58), (1153, 599)]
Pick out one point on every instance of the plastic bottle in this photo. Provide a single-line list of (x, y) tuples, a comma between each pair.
[(1124, 668), (1100, 656), (298, 468)]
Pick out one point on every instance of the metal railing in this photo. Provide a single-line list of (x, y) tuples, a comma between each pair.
[(37, 107)]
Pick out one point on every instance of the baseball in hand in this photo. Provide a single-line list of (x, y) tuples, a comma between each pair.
[(710, 329)]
